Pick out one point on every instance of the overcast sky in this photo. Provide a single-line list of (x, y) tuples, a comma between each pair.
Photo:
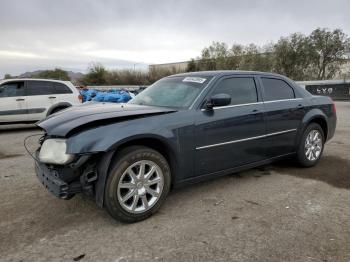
[(38, 34)]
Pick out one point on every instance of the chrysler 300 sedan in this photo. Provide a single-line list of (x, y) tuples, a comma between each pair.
[(182, 129)]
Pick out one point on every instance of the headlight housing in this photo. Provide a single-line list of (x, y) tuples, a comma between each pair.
[(53, 151)]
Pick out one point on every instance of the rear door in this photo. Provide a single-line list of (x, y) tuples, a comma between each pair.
[(284, 112), (12, 102), (39, 96), (233, 135), (63, 93)]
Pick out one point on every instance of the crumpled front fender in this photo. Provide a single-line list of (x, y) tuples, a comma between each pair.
[(108, 137)]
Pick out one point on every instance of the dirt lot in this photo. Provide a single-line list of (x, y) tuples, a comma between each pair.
[(275, 213)]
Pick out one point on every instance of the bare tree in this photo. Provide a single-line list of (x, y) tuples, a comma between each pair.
[(329, 47)]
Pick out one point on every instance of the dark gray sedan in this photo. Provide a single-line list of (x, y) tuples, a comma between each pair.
[(182, 129)]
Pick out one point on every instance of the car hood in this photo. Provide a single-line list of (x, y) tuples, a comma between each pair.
[(93, 114)]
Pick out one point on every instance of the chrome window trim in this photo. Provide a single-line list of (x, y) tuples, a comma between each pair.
[(255, 103), (238, 105), (246, 139), (281, 100)]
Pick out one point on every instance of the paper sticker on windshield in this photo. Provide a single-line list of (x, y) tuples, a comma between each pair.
[(199, 80)]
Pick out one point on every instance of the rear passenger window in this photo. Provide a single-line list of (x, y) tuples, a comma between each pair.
[(60, 88), (276, 89), (241, 89), (12, 89), (37, 88)]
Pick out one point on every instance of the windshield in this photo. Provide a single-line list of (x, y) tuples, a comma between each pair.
[(177, 91)]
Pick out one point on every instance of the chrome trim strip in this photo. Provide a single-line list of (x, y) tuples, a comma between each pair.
[(248, 104), (281, 132), (223, 107), (281, 100), (256, 103), (246, 139)]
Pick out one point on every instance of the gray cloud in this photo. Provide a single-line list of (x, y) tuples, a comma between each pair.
[(70, 34)]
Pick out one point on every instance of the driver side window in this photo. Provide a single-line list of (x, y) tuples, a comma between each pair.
[(12, 89), (241, 89)]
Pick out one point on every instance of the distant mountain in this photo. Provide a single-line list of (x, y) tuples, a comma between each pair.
[(74, 76)]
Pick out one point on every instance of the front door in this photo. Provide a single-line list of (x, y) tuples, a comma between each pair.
[(233, 135), (13, 107)]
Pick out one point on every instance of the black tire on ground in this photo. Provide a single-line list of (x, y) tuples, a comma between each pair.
[(301, 155), (126, 158)]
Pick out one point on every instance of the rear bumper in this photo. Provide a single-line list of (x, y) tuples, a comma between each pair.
[(50, 179)]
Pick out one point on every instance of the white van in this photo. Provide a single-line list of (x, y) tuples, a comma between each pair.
[(30, 100)]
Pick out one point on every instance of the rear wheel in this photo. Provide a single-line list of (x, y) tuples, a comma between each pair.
[(138, 184), (311, 145)]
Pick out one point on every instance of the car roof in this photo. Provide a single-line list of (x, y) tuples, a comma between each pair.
[(227, 72)]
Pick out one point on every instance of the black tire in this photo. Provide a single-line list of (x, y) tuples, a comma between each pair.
[(301, 154), (126, 158)]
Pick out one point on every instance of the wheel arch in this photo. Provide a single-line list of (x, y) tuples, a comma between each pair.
[(314, 116), (57, 105), (105, 162), (322, 122)]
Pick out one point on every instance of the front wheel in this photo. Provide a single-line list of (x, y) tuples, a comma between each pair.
[(311, 145), (137, 185)]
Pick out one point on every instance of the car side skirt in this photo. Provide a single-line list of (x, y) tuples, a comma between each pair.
[(205, 177)]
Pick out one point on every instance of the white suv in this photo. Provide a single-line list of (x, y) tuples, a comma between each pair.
[(29, 100)]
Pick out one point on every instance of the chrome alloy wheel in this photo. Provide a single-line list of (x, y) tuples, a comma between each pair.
[(313, 145), (140, 186)]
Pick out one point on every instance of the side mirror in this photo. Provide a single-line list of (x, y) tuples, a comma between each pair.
[(218, 100)]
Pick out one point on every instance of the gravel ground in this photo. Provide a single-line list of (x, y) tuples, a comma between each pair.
[(274, 213)]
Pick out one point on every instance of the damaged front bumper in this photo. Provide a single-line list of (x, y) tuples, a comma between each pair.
[(50, 179), (66, 181)]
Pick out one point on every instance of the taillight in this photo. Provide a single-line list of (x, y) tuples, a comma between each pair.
[(334, 109), (80, 97)]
